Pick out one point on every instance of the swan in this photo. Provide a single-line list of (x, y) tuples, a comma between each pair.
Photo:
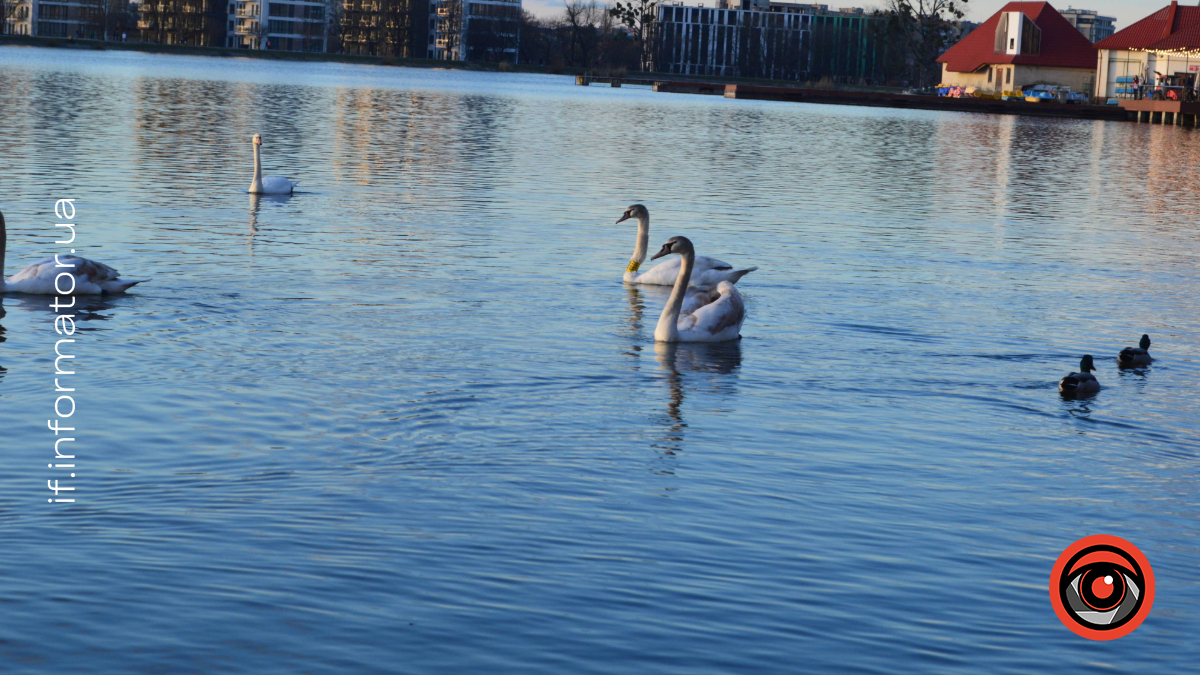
[(714, 315), (271, 185), (90, 277), (1136, 357), (1082, 383), (708, 271)]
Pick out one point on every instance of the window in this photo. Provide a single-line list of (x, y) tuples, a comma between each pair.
[(1008, 76), (990, 74)]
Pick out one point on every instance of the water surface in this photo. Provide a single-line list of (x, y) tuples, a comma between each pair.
[(409, 420)]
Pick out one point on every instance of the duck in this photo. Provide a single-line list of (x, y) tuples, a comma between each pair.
[(708, 272), (88, 277), (713, 315), (1135, 357), (271, 185), (1082, 383)]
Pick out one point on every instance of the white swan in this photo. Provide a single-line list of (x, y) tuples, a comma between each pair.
[(708, 272), (712, 316), (90, 277), (271, 185)]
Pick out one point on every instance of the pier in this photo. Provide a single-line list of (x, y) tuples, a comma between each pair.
[(899, 100)]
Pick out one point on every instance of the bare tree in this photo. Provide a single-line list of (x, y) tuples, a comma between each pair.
[(581, 19), (924, 28)]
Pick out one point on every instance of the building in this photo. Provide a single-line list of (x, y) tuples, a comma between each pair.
[(199, 23), (1022, 45), (766, 39), (20, 17), (475, 30), (284, 25), (395, 28), (1162, 50), (1093, 26)]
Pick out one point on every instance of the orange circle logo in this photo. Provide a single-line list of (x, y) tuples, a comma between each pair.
[(1102, 587)]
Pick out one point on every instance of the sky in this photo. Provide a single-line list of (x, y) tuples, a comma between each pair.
[(1126, 11)]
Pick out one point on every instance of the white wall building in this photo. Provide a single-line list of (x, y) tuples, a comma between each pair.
[(284, 25), (21, 17)]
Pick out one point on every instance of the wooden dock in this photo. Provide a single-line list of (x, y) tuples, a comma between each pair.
[(1155, 111), (1163, 112)]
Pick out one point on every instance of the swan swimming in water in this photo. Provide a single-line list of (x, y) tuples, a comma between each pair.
[(271, 185), (91, 277), (1082, 383), (708, 271), (1136, 357), (710, 316)]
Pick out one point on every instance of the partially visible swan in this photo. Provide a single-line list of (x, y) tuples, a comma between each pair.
[(1136, 357), (1082, 383), (708, 272), (712, 316), (90, 277), (271, 185)]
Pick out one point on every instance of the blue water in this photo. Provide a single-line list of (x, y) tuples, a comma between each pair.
[(409, 420)]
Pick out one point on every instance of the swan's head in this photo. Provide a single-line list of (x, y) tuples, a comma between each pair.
[(257, 140), (680, 245), (1086, 364), (636, 211), (1144, 344)]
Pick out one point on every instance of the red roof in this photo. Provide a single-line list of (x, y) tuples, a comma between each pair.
[(1172, 27), (1062, 45)]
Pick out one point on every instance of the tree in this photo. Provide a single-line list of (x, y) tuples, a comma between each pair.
[(580, 18), (924, 28), (638, 16)]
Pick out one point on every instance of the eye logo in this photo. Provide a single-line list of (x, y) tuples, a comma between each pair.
[(1102, 587)]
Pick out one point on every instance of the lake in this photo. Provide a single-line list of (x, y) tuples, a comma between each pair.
[(410, 420)]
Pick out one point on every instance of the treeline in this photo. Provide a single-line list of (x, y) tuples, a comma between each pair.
[(586, 35)]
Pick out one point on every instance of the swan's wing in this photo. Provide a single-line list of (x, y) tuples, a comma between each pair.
[(695, 298), (47, 270), (725, 312), (704, 263), (277, 184)]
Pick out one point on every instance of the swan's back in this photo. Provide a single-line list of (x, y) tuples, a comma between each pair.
[(91, 277), (717, 320)]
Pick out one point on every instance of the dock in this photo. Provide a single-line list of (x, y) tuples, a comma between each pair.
[(1160, 110)]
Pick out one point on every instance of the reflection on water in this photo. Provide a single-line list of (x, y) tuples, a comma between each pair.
[(413, 435)]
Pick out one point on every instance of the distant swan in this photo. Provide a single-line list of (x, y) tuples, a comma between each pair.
[(271, 185), (711, 316), (708, 272), (90, 277), (1136, 357), (1082, 383)]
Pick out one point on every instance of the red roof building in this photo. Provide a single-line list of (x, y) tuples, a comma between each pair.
[(1024, 44), (1162, 51)]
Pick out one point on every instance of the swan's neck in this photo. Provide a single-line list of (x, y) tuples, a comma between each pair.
[(3, 249), (256, 184), (668, 323), (643, 240)]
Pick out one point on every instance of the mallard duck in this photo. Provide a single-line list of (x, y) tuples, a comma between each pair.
[(1135, 357), (1082, 383)]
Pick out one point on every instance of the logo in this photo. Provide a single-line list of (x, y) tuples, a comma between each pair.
[(1102, 587)]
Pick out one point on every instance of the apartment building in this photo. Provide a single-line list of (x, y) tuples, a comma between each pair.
[(199, 23), (20, 17), (764, 38), (1089, 22), (283, 25), (474, 30)]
